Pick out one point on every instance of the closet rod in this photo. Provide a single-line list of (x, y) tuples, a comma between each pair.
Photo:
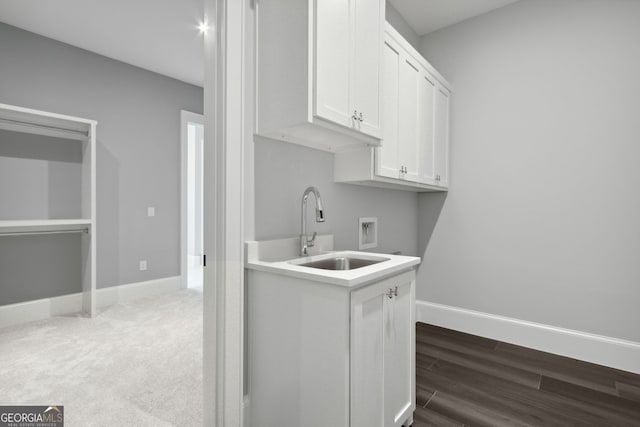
[(37, 125), (32, 233)]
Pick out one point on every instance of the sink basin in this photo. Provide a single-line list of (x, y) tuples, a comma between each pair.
[(342, 263)]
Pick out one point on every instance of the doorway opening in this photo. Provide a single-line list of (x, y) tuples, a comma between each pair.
[(192, 163)]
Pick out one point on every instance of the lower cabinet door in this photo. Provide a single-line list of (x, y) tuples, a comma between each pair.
[(382, 354), (399, 354), (368, 309)]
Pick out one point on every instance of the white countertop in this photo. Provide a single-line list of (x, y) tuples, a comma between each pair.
[(280, 257)]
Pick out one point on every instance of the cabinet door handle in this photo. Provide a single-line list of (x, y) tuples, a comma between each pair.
[(355, 115), (392, 292), (361, 119)]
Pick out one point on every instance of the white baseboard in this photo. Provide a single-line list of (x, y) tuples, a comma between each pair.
[(607, 351), (133, 291), (29, 311), (246, 422)]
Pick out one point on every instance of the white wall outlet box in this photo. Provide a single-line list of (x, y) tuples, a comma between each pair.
[(367, 233), (143, 265), (151, 211)]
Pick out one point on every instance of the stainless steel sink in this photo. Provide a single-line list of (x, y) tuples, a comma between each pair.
[(342, 263)]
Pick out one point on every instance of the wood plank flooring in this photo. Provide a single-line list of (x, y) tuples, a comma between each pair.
[(465, 380)]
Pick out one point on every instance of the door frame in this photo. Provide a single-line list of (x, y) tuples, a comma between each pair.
[(224, 193), (186, 117)]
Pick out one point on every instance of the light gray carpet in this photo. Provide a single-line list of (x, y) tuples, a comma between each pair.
[(135, 364)]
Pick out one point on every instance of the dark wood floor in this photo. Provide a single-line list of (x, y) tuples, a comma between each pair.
[(465, 380)]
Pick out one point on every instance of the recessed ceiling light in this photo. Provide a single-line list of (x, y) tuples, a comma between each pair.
[(203, 27)]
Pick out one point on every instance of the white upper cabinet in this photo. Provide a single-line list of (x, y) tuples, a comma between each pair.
[(333, 58), (399, 156), (427, 129), (366, 76), (414, 154), (319, 72), (441, 133), (388, 162), (409, 118)]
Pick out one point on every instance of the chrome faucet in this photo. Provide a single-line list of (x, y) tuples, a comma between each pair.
[(305, 242)]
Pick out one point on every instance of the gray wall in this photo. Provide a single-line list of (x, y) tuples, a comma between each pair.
[(283, 171), (400, 24), (542, 221), (138, 114), (40, 177)]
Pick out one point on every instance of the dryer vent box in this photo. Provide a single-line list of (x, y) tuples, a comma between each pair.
[(367, 233)]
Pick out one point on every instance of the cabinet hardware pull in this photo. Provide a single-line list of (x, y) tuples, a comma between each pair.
[(361, 119), (355, 115), (392, 292)]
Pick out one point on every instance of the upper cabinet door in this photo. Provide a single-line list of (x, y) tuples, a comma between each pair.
[(333, 58), (426, 125), (366, 77), (387, 163), (442, 137), (408, 148)]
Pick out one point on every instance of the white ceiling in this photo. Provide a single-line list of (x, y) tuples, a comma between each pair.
[(158, 35), (162, 35), (426, 16)]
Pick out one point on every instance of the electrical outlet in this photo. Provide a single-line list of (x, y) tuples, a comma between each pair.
[(143, 265), (151, 211)]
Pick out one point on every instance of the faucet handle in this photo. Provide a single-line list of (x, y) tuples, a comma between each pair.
[(311, 242)]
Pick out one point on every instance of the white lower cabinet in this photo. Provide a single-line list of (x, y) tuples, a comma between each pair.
[(325, 355), (383, 354)]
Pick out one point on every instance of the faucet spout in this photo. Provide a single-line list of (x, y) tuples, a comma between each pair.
[(305, 242)]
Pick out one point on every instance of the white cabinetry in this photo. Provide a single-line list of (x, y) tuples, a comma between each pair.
[(325, 355), (319, 72), (414, 152), (63, 210), (383, 354), (441, 133)]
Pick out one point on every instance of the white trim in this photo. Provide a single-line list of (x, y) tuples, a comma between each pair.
[(224, 169), (29, 311), (133, 291), (607, 351), (186, 117), (246, 410)]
